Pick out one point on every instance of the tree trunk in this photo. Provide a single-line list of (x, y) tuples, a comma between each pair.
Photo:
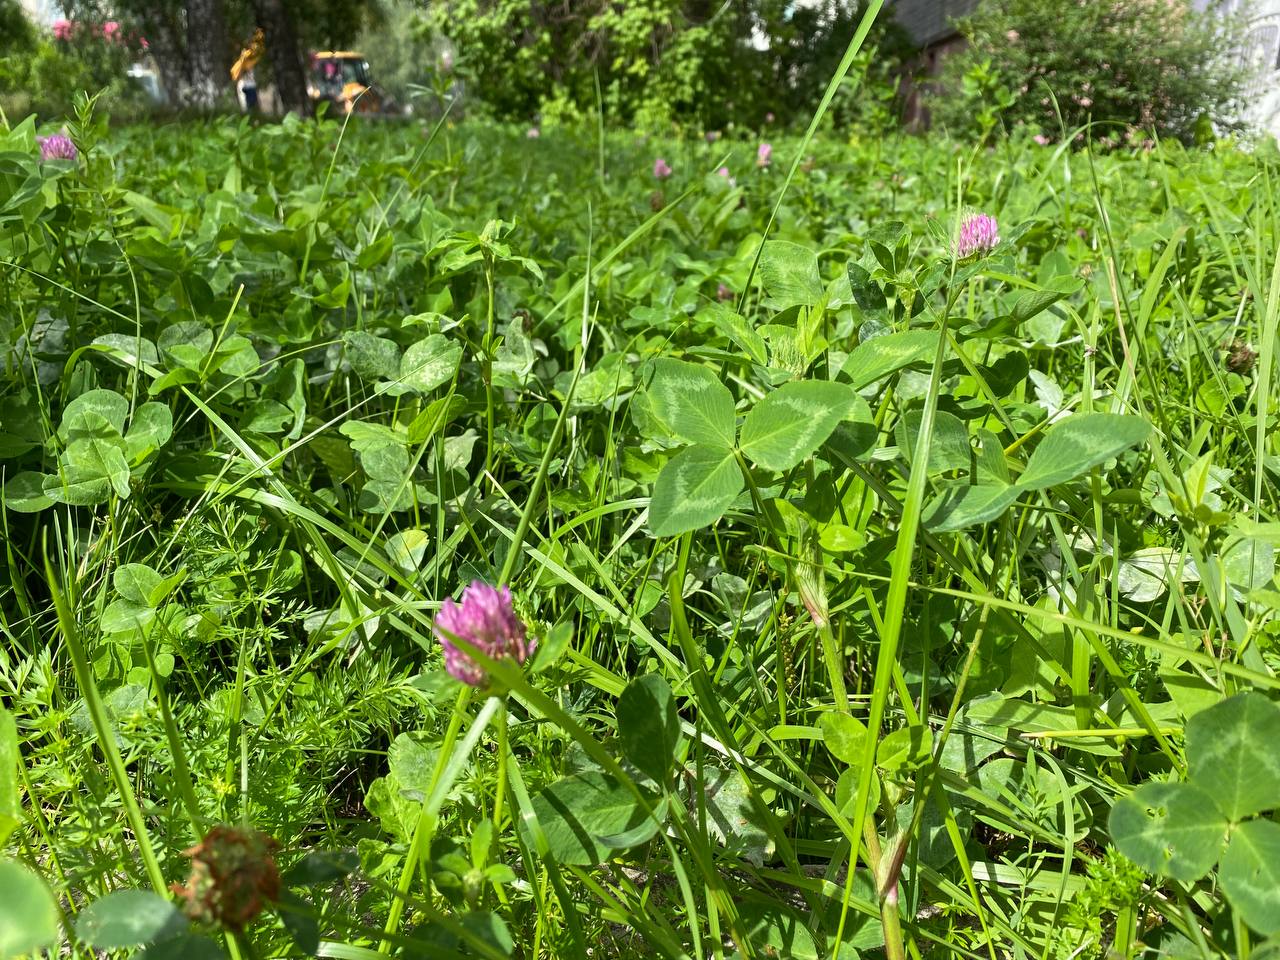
[(161, 24), (207, 53), (285, 55)]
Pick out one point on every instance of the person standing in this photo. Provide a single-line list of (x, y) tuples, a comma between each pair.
[(248, 89), (243, 76)]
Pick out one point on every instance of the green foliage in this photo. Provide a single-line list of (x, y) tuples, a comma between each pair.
[(128, 918), (586, 816), (270, 393), (1146, 66), (1069, 450), (17, 35), (1180, 829), (659, 61), (649, 726), (399, 55), (28, 913), (43, 75)]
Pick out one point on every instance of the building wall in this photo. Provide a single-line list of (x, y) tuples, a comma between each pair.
[(931, 24), (41, 11), (1262, 53), (927, 69), (930, 21)]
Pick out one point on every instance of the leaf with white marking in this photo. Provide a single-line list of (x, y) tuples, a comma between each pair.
[(693, 490), (1250, 874), (788, 425), (878, 357), (1078, 443), (690, 399)]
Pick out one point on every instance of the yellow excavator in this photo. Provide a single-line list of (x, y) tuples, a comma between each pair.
[(340, 77)]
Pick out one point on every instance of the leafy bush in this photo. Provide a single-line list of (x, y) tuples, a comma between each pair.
[(400, 57), (43, 72), (888, 590), (17, 44), (1150, 65), (656, 61)]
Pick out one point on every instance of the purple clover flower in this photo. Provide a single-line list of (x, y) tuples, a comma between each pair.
[(661, 169), (57, 147), (979, 235), (486, 620), (764, 154)]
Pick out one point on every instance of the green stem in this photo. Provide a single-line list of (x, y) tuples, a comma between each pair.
[(235, 731), (312, 230), (535, 489), (181, 772), (896, 601), (892, 923), (102, 727), (447, 769), (420, 827), (244, 944), (835, 668), (487, 366), (501, 790)]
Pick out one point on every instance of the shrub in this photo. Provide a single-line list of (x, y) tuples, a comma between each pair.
[(656, 61), (400, 58), (42, 70), (1157, 65), (17, 42)]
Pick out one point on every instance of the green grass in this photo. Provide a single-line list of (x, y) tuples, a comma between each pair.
[(353, 370)]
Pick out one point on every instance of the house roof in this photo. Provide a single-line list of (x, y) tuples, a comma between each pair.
[(928, 21)]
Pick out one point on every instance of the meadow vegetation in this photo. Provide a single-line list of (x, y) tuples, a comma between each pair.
[(885, 581)]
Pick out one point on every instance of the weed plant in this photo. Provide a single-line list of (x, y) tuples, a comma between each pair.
[(887, 601)]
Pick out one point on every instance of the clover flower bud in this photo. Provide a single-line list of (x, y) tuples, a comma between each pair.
[(57, 147), (979, 235), (486, 620)]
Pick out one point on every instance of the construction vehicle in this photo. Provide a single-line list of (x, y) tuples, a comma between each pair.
[(342, 78), (339, 77)]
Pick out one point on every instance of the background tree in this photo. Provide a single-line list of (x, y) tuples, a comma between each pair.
[(284, 51), (208, 50), (16, 32), (701, 61), (401, 58), (187, 39), (194, 42), (17, 47), (41, 72)]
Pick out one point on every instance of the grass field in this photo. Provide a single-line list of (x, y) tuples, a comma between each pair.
[(828, 542)]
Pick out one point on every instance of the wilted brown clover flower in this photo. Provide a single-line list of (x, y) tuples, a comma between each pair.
[(233, 876), (1241, 357)]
